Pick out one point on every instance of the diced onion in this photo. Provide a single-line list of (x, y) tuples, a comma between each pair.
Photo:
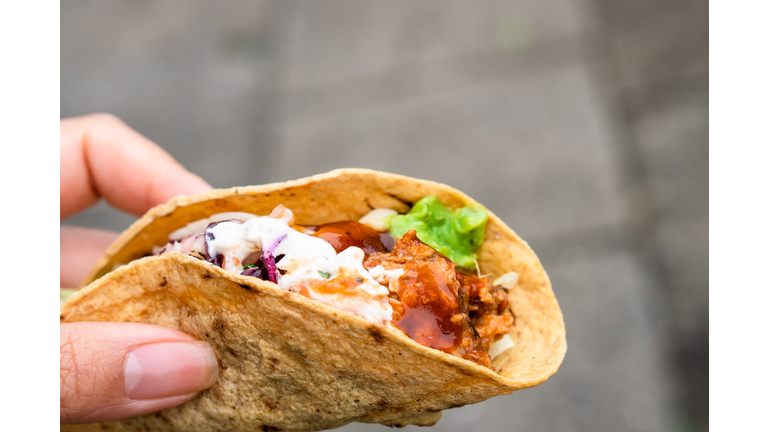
[(500, 346), (378, 219), (507, 280)]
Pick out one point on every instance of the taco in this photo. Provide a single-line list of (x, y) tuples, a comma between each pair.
[(350, 296)]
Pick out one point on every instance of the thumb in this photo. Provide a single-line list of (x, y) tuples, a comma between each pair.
[(111, 371)]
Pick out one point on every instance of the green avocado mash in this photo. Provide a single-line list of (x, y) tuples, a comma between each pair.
[(454, 233)]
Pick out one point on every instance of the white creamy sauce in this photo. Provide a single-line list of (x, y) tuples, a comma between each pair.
[(311, 264), (381, 275), (200, 225), (348, 287)]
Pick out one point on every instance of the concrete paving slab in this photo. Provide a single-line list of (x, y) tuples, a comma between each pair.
[(673, 140), (660, 53), (684, 245), (419, 79), (672, 137), (657, 40), (343, 38)]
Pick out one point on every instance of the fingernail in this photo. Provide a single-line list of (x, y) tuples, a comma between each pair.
[(169, 369)]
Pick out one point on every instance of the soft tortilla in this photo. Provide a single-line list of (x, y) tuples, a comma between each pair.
[(290, 363)]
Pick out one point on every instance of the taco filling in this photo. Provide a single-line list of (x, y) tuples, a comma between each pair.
[(379, 269)]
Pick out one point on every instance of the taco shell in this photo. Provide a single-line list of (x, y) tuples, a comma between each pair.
[(290, 363)]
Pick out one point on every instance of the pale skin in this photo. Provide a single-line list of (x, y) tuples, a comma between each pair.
[(117, 370)]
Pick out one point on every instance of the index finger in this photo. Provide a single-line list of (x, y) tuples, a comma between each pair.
[(102, 157)]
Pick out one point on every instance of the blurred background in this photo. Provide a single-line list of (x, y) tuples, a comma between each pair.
[(583, 124)]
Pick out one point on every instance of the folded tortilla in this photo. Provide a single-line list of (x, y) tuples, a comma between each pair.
[(290, 363)]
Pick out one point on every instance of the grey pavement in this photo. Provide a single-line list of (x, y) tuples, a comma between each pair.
[(582, 123)]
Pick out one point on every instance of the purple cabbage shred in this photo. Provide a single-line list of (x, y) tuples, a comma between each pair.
[(269, 260), (255, 272), (270, 267)]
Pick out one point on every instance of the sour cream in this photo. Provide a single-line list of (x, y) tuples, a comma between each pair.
[(381, 275), (310, 265)]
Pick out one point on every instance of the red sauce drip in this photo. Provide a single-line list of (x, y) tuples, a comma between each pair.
[(429, 303), (472, 284), (342, 235)]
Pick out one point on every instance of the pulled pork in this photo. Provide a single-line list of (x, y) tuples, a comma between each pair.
[(440, 307)]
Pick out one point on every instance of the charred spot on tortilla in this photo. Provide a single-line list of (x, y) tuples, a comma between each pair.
[(376, 333), (217, 326)]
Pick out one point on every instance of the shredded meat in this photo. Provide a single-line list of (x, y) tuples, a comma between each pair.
[(488, 307), (440, 307), (492, 327)]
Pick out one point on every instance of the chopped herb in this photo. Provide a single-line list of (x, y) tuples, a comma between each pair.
[(324, 274), (247, 266)]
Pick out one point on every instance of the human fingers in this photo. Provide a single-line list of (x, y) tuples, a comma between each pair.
[(79, 249), (111, 371), (102, 157)]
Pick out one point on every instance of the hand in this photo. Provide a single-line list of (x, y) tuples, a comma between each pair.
[(117, 370)]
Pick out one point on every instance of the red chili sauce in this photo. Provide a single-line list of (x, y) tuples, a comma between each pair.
[(342, 235), (428, 305)]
